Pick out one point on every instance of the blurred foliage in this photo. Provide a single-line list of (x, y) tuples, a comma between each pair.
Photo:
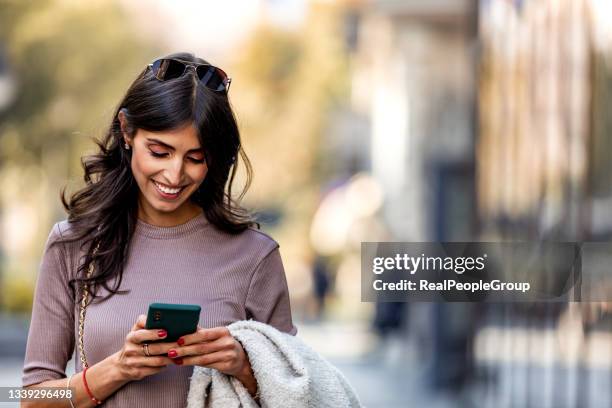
[(268, 67), (71, 62), (290, 83), (601, 143), (17, 295)]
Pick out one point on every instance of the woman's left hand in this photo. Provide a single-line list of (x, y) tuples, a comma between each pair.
[(215, 348)]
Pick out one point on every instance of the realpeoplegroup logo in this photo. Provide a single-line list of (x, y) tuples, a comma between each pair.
[(474, 271)]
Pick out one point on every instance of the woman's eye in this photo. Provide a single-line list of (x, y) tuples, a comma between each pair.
[(154, 154), (192, 159)]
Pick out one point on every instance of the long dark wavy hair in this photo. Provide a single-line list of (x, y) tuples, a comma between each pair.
[(104, 212)]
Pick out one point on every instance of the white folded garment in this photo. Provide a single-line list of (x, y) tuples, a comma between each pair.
[(289, 375)]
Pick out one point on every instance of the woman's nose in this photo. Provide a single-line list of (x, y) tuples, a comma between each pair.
[(175, 172)]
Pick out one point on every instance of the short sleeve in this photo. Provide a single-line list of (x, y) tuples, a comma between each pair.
[(268, 296), (51, 335)]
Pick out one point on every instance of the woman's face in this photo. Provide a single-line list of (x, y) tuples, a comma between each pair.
[(168, 167)]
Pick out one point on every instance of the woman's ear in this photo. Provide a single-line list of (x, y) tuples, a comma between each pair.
[(124, 127)]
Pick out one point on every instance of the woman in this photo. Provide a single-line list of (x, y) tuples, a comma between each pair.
[(154, 223)]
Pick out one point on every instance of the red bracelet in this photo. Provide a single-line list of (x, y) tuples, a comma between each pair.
[(91, 397)]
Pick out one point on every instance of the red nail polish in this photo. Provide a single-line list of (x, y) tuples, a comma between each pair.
[(180, 341), (178, 361), (172, 353), (161, 333)]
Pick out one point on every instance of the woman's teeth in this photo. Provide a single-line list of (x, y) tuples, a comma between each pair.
[(167, 190)]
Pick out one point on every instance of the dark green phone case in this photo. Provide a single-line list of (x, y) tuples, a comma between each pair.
[(177, 319)]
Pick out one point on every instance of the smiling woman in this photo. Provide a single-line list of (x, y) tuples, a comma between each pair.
[(168, 171), (155, 222)]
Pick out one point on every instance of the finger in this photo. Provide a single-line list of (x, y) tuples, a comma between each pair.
[(208, 360), (158, 361), (142, 335), (141, 321), (204, 335), (221, 344), (162, 348)]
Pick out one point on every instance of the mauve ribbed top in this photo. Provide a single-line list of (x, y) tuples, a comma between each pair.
[(232, 277)]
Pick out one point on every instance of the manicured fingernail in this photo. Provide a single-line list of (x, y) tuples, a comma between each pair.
[(180, 341), (172, 353), (162, 333), (178, 361)]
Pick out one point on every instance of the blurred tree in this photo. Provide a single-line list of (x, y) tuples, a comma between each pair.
[(601, 141), (291, 80), (72, 61)]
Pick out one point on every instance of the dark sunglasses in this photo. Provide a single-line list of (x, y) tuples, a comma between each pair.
[(212, 77)]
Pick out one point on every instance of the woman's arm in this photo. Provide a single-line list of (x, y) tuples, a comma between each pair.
[(103, 379), (268, 295), (51, 342), (107, 376)]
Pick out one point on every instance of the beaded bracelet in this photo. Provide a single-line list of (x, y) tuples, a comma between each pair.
[(91, 397)]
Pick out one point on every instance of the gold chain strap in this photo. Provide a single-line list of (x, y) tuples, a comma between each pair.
[(82, 311)]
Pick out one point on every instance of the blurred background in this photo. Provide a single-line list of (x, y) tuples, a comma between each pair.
[(365, 120)]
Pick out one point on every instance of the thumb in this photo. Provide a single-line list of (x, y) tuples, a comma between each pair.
[(140, 322)]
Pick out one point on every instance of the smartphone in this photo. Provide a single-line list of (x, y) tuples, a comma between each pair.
[(177, 319)]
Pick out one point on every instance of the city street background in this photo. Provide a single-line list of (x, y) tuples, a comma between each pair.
[(365, 121)]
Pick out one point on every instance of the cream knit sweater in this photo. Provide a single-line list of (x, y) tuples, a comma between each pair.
[(289, 375)]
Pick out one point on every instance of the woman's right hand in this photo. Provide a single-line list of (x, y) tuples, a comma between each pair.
[(132, 363)]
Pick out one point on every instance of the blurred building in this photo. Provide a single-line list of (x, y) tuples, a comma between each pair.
[(413, 77), (411, 126), (536, 167), (490, 120), (543, 173)]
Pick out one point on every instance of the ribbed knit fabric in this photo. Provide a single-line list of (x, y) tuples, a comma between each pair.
[(232, 277)]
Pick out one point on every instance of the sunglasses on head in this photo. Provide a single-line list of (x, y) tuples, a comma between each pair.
[(212, 77)]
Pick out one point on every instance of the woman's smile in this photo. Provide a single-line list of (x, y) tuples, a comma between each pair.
[(168, 192)]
